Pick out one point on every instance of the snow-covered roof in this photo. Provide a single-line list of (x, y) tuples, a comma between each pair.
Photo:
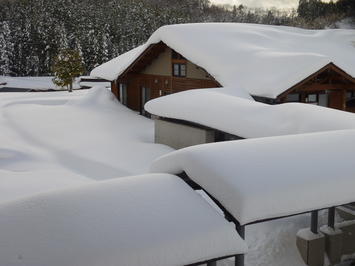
[(149, 220), (264, 60), (272, 177), (216, 108)]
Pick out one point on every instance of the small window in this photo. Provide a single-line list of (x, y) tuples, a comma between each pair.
[(350, 95), (183, 70), (123, 94), (294, 97), (312, 98), (176, 70), (179, 70), (323, 100)]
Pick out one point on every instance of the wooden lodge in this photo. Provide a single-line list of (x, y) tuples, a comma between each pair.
[(272, 64), (159, 71)]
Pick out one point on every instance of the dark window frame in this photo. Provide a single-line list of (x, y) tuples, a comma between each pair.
[(180, 73)]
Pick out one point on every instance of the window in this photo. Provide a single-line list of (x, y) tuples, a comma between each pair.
[(145, 97), (123, 94), (294, 97), (317, 99), (323, 100), (312, 98), (178, 64), (179, 70)]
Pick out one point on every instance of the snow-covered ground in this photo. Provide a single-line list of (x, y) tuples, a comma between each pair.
[(40, 83), (58, 139), (30, 83), (52, 141)]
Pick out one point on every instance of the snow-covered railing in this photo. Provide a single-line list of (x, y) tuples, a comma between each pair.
[(148, 220), (263, 179)]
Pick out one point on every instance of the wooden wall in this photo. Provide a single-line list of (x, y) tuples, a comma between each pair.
[(160, 86), (330, 81)]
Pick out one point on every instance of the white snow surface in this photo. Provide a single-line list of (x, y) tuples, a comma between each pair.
[(53, 140), (263, 60), (31, 83), (216, 108), (146, 220), (271, 177)]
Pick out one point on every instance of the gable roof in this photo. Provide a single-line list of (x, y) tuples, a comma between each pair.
[(263, 60)]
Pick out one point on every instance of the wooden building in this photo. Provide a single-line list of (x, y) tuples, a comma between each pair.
[(329, 87), (159, 71), (272, 64)]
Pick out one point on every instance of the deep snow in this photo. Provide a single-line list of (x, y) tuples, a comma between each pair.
[(59, 140), (146, 220), (51, 140)]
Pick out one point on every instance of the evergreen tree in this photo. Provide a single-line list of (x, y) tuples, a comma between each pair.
[(66, 67), (6, 49)]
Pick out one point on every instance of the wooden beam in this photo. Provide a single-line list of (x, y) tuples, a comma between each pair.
[(316, 87)]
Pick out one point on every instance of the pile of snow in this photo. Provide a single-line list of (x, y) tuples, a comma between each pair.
[(217, 109), (54, 140), (264, 60), (146, 220), (263, 178)]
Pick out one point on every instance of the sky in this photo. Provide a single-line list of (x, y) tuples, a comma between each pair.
[(281, 4)]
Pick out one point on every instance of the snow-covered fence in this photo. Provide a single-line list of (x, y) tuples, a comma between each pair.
[(259, 180)]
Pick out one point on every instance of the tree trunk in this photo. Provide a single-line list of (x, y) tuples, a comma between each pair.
[(71, 86)]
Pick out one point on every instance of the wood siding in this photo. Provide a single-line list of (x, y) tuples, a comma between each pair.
[(160, 86), (330, 82), (153, 71)]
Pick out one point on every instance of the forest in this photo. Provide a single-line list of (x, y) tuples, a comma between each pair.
[(32, 32)]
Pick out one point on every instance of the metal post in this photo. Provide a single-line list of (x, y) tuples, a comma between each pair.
[(314, 222), (331, 217), (239, 259)]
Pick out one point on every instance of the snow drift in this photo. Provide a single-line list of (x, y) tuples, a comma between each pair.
[(148, 220)]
